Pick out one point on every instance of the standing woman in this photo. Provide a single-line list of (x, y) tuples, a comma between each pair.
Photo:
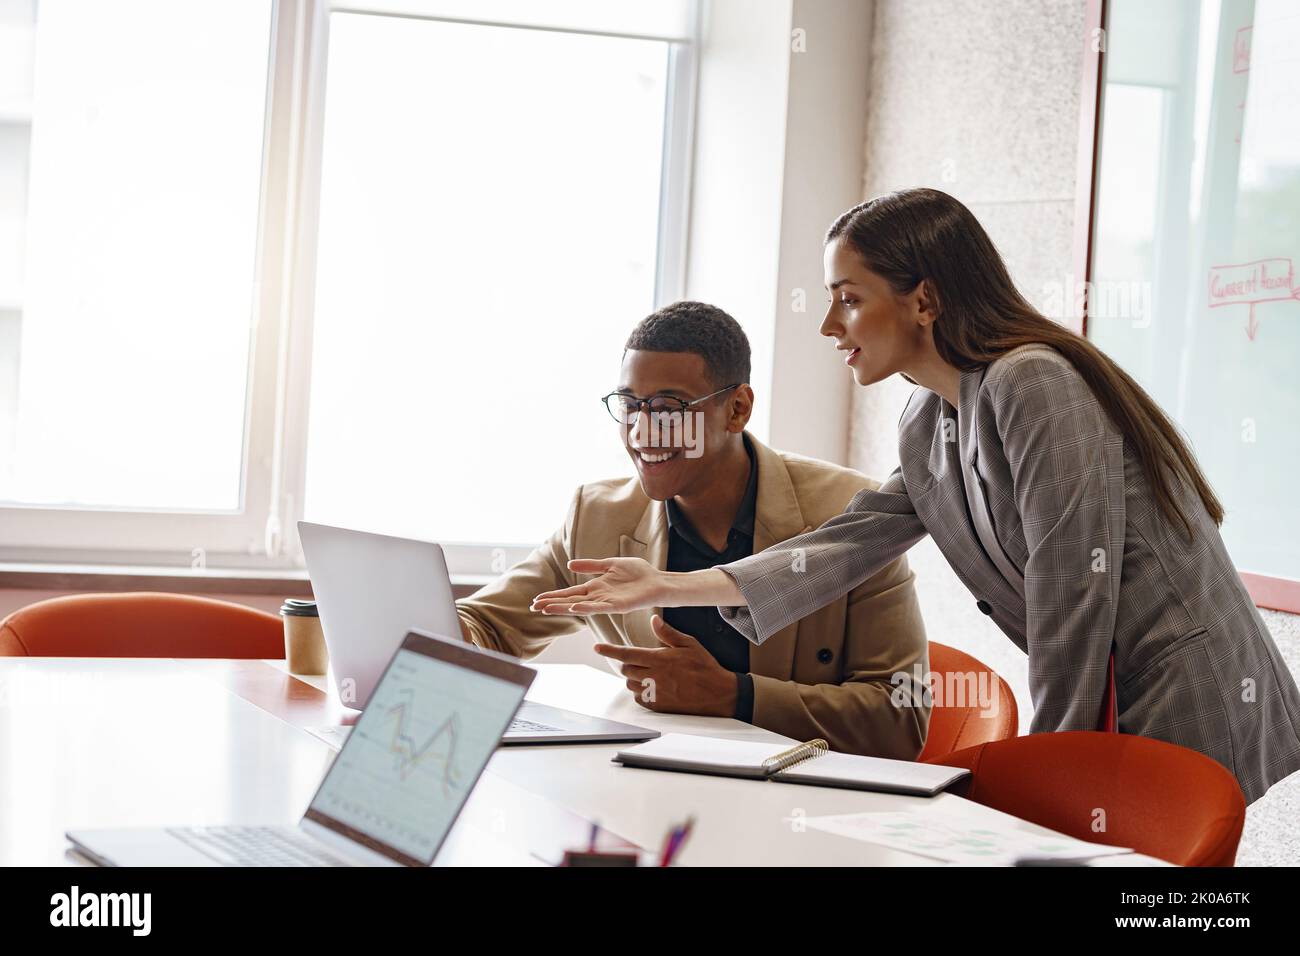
[(1060, 493)]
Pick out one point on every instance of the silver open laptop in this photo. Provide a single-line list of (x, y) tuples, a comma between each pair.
[(372, 588), (394, 790)]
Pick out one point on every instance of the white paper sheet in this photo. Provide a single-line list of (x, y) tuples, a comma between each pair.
[(955, 839)]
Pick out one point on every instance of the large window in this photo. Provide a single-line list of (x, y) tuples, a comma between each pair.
[(138, 254), (370, 265), (482, 257), (1195, 245)]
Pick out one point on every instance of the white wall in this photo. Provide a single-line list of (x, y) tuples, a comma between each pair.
[(825, 122), (782, 107)]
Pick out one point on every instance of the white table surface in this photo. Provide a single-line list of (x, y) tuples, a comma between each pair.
[(92, 743)]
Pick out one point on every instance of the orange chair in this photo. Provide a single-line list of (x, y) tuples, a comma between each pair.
[(1160, 799), (962, 722), (140, 624)]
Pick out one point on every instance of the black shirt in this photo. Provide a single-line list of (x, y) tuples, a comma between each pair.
[(687, 551)]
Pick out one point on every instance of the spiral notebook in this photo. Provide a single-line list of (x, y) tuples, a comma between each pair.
[(809, 763)]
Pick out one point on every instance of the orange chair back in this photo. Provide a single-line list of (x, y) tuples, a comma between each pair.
[(1158, 798), (961, 721), (140, 624)]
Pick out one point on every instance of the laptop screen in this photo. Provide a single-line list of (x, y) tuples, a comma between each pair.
[(414, 755)]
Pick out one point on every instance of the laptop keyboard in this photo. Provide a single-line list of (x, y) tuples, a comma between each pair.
[(519, 725), (256, 846)]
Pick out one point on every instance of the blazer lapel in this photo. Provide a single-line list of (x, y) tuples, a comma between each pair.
[(998, 573), (777, 517), (650, 542)]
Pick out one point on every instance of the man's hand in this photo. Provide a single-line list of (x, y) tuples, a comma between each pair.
[(680, 677)]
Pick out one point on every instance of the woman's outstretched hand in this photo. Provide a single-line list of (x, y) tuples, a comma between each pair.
[(629, 584), (622, 585)]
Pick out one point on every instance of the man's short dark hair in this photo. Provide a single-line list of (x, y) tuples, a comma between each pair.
[(700, 328)]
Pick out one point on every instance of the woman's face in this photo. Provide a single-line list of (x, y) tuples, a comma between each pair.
[(879, 331)]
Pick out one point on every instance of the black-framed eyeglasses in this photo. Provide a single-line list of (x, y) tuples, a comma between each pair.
[(625, 408)]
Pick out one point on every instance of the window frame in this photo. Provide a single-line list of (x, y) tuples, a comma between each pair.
[(261, 534)]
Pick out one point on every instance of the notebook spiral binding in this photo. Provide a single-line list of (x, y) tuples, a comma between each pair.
[(796, 755)]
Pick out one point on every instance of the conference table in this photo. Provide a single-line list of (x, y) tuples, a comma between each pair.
[(116, 742)]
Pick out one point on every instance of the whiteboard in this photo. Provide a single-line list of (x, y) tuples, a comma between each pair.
[(1196, 239)]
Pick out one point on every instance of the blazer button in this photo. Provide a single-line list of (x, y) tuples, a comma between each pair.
[(824, 656), (984, 606)]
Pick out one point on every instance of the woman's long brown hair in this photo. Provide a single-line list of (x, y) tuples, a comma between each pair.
[(918, 235)]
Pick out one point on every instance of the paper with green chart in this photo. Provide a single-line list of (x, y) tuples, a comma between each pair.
[(955, 838)]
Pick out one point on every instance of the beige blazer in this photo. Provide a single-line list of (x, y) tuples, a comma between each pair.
[(826, 675)]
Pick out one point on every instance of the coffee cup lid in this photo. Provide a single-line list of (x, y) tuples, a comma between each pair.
[(296, 607)]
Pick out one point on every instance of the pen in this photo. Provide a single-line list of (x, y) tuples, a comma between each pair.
[(675, 841)]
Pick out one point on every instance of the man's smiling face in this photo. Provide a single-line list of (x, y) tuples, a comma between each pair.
[(673, 461)]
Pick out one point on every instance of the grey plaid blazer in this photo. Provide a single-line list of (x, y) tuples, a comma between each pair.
[(1087, 562)]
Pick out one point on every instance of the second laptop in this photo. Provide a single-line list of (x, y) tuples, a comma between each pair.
[(371, 589)]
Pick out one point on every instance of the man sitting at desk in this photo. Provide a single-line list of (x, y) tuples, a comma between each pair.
[(707, 492)]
